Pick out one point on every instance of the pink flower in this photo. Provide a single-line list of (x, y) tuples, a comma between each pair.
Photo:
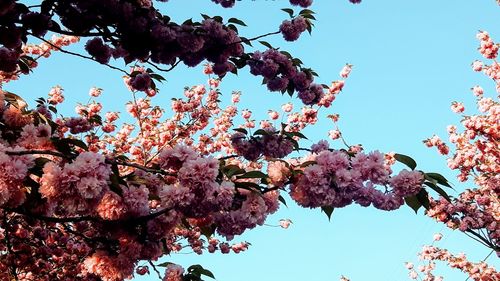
[(173, 272), (90, 187), (477, 65), (112, 116), (285, 223), (346, 70), (478, 91), (273, 114), (407, 183), (235, 97), (278, 172), (287, 107), (246, 114), (56, 95), (409, 265), (214, 83), (208, 69), (95, 92), (198, 172), (142, 270), (457, 107), (334, 134), (49, 182), (111, 206), (438, 236)]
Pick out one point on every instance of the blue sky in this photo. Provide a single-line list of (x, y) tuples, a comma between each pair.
[(411, 60)]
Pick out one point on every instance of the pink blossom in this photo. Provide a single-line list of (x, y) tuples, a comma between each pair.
[(334, 134), (95, 92), (407, 183), (273, 114), (457, 107), (438, 236), (346, 70), (477, 65), (111, 206), (278, 172), (246, 114), (285, 223), (287, 107), (235, 97)]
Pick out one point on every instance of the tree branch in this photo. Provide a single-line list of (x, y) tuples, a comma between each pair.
[(164, 69), (77, 54)]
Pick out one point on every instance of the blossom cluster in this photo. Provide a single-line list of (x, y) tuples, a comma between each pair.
[(156, 39), (430, 254), (142, 190), (338, 179), (475, 155)]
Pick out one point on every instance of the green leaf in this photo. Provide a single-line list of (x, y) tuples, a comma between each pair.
[(115, 184), (207, 272), (309, 26), (241, 130), (295, 144), (307, 163), (297, 134), (439, 179), (198, 270), (23, 66), (234, 70), (261, 132), (290, 89), (407, 160), (236, 21), (157, 77), (438, 190), (282, 200), (135, 73), (232, 170), (309, 16), (253, 175), (165, 264), (188, 22), (266, 44), (76, 142), (15, 100), (246, 41), (208, 231), (233, 27), (328, 210), (297, 62), (288, 11), (423, 198), (287, 54), (306, 12), (247, 185), (39, 164), (413, 202)]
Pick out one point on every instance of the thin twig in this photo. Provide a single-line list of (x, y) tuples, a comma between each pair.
[(9, 246), (164, 69), (256, 37), (229, 157), (34, 151), (155, 269), (483, 261), (77, 54), (137, 166)]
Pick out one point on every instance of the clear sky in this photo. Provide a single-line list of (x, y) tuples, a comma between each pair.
[(411, 60)]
